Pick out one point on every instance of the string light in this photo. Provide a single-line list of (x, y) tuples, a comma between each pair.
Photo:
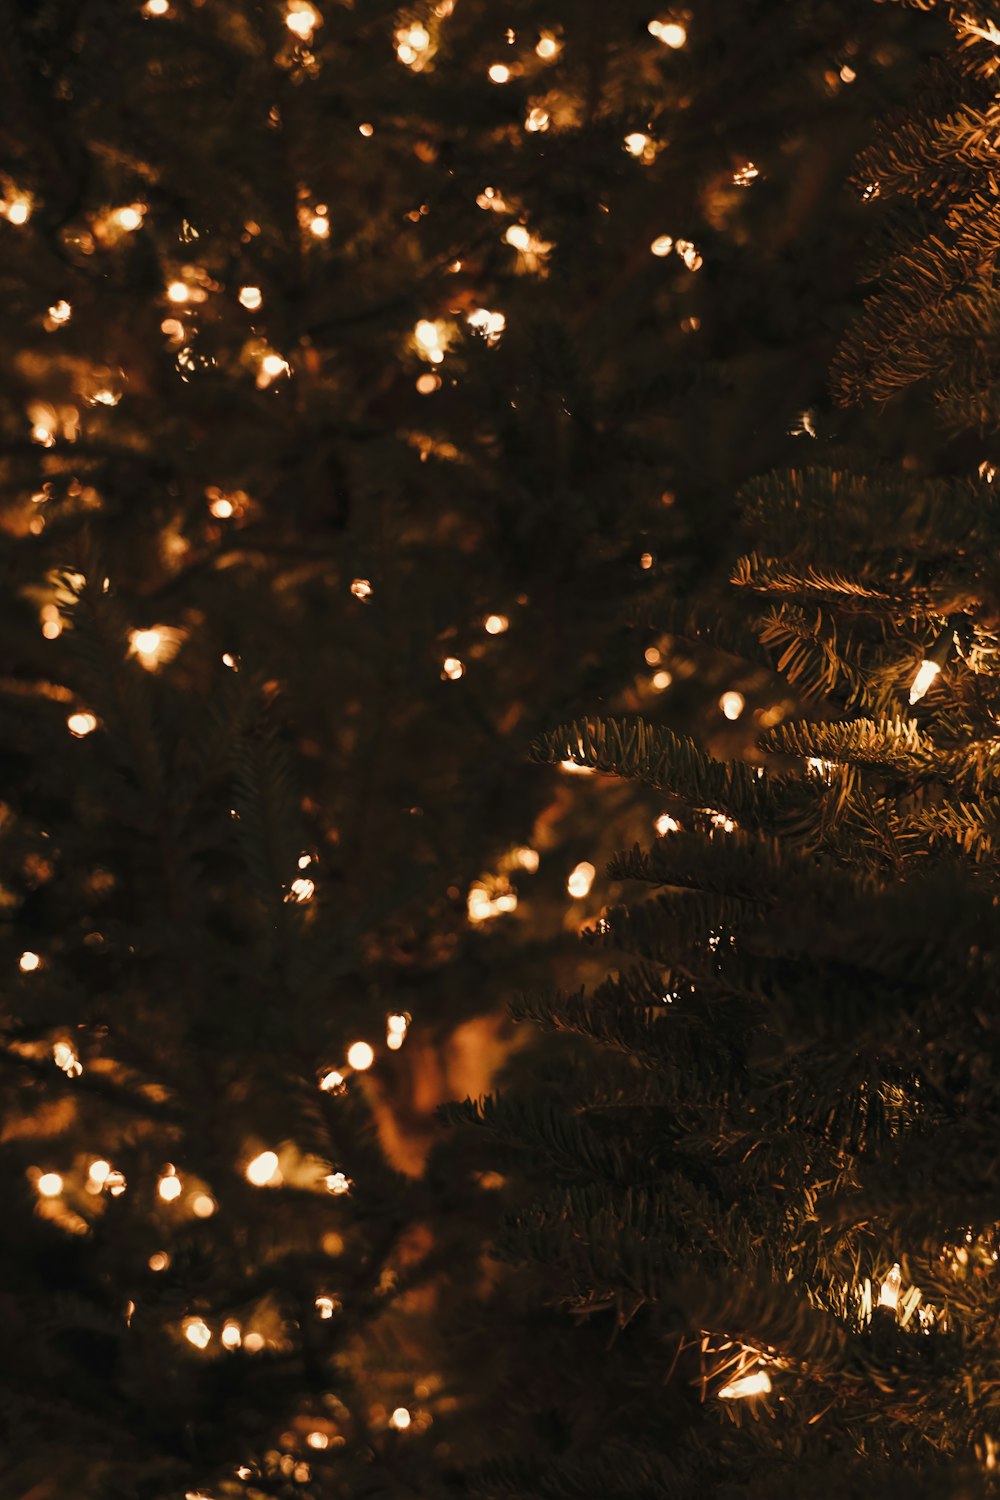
[(641, 146), (496, 624), (156, 7), (318, 1440), (666, 824), (432, 338), (319, 226), (756, 1384), (489, 899), (178, 292), (661, 680), (231, 1335), (499, 73), (413, 45), (396, 1027), (65, 1058), (361, 588), (490, 324), (452, 669), (253, 1343), (670, 33), (251, 297), (50, 1184), (28, 962), (16, 209), (360, 1056), (400, 1419), (926, 674), (338, 1183), (537, 119), (548, 46), (889, 1292), (301, 18), (97, 1175), (366, 129), (326, 1307), (60, 312), (197, 1332), (746, 175), (263, 1169), (332, 1082), (580, 880), (81, 724), (732, 704), (301, 891), (688, 253), (271, 366), (158, 1261), (169, 1185), (203, 1206)]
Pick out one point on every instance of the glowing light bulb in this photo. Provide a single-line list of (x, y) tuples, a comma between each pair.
[(221, 507), (332, 1082), (397, 1023), (636, 143), (65, 1058), (495, 624), (661, 680), (81, 724), (490, 324), (317, 1440), (263, 1169), (537, 119), (251, 297), (28, 962), (670, 33), (452, 668), (98, 1174), (319, 226), (925, 676), (231, 1335), (326, 1307), (203, 1206), (732, 704), (338, 1183), (273, 365), (197, 1332), (580, 880), (499, 73), (301, 890), (757, 1384), (366, 130), (130, 217), (547, 47), (156, 7), (400, 1419), (17, 208), (431, 339), (178, 292), (60, 312), (666, 824), (301, 18), (169, 1187), (427, 384), (158, 1261), (360, 1056), (146, 643), (519, 236), (689, 254), (361, 588), (50, 1184), (889, 1292), (745, 175)]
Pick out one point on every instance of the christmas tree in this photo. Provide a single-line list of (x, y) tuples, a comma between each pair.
[(759, 1169), (369, 374)]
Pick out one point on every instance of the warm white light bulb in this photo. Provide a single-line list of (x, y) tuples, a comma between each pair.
[(889, 1293), (263, 1169), (757, 1384), (50, 1184), (400, 1419), (732, 704), (251, 297), (197, 1332), (169, 1187), (582, 878), (925, 676), (360, 1056), (81, 724), (28, 962)]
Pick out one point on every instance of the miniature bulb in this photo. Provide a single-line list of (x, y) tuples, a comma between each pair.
[(331, 1082), (273, 365), (757, 1384), (666, 824), (50, 1184), (221, 508), (318, 1440), (495, 624), (636, 143), (251, 297), (400, 1419), (427, 384), (319, 226), (169, 1187), (366, 130), (360, 1056), (452, 668), (145, 642), (158, 1261), (499, 73), (670, 33), (99, 1173), (81, 724), (582, 878), (302, 890), (156, 7), (302, 20), (732, 704), (326, 1307), (203, 1206), (396, 1023), (889, 1293), (338, 1183), (197, 1332), (925, 676), (129, 218), (231, 1336), (263, 1169), (519, 236), (361, 588), (178, 292), (60, 312), (29, 962), (661, 680), (537, 119), (547, 47)]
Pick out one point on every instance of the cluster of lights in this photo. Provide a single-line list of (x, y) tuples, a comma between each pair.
[(530, 248), (452, 669), (665, 824), (489, 899), (413, 45), (432, 337), (15, 207), (746, 175), (641, 146), (272, 366), (302, 19), (580, 880), (64, 1056), (537, 119), (396, 1027), (490, 324), (81, 724)]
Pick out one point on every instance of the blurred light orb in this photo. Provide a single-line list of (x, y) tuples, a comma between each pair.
[(360, 1056)]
